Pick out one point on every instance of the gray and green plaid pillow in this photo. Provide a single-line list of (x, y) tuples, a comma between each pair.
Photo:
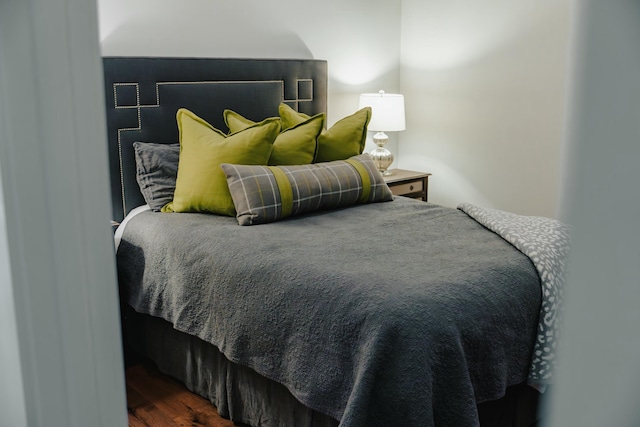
[(263, 194)]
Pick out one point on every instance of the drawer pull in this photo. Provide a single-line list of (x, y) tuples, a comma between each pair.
[(411, 187)]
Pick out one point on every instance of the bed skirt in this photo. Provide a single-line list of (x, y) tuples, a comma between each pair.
[(244, 396), (238, 392)]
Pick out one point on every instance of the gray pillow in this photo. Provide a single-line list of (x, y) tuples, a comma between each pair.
[(263, 194), (156, 172)]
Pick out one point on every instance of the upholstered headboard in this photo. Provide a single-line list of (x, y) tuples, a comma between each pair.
[(143, 95)]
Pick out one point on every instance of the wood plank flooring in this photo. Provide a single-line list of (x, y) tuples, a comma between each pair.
[(156, 400)]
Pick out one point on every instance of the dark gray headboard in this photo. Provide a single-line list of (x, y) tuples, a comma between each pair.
[(143, 95)]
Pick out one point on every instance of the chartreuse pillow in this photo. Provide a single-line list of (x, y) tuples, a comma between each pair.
[(236, 122), (263, 194), (346, 138), (296, 145), (201, 184)]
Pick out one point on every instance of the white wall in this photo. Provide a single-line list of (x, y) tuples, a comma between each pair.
[(360, 39), (485, 85)]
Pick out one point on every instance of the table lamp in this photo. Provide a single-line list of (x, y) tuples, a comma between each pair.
[(387, 115)]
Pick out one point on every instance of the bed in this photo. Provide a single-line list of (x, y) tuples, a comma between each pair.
[(377, 311)]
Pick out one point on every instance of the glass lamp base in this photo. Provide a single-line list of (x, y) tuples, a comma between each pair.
[(382, 158)]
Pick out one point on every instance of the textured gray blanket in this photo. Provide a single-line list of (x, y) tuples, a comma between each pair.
[(546, 242), (398, 313)]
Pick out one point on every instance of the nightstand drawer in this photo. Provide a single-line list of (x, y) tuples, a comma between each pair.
[(408, 183), (409, 187)]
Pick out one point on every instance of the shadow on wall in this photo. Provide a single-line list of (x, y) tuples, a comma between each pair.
[(142, 37), (494, 119)]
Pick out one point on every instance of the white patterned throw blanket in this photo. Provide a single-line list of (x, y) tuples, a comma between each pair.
[(546, 242)]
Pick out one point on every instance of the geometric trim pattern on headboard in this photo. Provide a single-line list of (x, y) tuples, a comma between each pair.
[(143, 95)]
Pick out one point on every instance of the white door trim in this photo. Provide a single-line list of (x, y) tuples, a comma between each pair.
[(61, 264)]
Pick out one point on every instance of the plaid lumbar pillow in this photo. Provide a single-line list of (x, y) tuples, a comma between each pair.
[(263, 194)]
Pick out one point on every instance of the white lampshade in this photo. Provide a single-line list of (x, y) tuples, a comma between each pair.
[(387, 111)]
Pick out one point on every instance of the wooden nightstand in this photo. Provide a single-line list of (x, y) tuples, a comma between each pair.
[(409, 183)]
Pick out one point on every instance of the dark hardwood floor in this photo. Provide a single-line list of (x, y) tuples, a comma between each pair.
[(156, 400)]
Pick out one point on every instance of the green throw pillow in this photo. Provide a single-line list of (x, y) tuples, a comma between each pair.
[(201, 185), (346, 138), (296, 145), (236, 122), (263, 194)]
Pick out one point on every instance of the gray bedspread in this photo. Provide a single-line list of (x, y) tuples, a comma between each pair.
[(399, 313), (546, 242)]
